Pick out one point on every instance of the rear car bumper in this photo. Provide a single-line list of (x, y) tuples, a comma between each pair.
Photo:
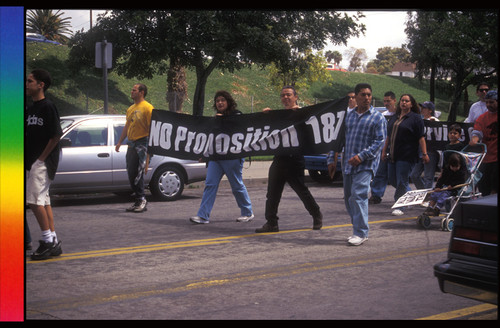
[(465, 279)]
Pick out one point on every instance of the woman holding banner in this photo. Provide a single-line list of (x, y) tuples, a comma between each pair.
[(405, 132), (224, 104)]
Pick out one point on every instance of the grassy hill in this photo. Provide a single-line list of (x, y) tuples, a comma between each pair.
[(250, 88)]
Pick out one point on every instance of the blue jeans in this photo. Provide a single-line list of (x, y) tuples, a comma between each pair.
[(356, 189), (233, 170), (440, 197), (399, 177), (379, 182), (429, 170)]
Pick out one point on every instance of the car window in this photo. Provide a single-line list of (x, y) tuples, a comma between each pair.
[(65, 123), (118, 132), (89, 134)]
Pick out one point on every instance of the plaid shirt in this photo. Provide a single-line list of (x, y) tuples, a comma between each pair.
[(364, 136)]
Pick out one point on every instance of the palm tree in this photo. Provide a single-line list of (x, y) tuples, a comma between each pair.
[(49, 24), (333, 55)]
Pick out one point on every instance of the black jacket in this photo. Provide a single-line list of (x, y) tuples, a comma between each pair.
[(452, 178)]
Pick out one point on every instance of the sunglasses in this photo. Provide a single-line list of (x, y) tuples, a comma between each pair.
[(483, 90)]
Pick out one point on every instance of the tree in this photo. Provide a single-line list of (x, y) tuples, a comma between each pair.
[(333, 55), (308, 68), (463, 43), (387, 57), (176, 87), (144, 42), (357, 58), (49, 24)]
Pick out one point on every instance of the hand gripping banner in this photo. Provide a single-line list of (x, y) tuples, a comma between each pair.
[(309, 130)]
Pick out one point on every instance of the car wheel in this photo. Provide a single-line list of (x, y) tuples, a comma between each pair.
[(167, 183)]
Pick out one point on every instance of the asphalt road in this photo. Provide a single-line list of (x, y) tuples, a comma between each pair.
[(158, 265)]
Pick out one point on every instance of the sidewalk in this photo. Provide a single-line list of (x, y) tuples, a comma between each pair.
[(254, 174)]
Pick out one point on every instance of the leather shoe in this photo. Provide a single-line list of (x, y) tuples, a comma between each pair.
[(268, 228), (318, 221)]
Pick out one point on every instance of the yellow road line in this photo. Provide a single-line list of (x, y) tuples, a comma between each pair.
[(461, 312), (245, 276), (181, 244), (230, 279), (128, 250)]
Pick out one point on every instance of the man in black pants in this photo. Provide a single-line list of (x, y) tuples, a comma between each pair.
[(288, 168)]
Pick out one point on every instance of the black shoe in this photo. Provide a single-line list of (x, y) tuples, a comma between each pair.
[(435, 211), (56, 250), (432, 211), (268, 228), (374, 200), (318, 221), (43, 251)]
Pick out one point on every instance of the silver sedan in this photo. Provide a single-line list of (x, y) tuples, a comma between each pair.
[(90, 164)]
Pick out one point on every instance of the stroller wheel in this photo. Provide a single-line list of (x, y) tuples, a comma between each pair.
[(448, 224), (424, 220)]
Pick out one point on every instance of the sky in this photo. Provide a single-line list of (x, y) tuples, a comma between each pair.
[(383, 29)]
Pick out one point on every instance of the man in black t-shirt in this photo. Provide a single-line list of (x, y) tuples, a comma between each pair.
[(41, 157)]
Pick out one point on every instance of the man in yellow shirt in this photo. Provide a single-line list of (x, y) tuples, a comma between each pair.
[(137, 131)]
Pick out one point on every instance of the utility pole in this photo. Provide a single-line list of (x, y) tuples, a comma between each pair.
[(103, 59)]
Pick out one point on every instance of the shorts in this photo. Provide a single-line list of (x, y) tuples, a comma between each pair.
[(37, 184)]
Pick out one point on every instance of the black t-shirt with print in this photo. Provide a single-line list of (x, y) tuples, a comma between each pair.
[(40, 125)]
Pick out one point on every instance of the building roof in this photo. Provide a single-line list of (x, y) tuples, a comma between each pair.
[(404, 67)]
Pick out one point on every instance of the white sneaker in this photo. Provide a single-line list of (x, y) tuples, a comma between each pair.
[(397, 212), (141, 206), (356, 240), (198, 220), (245, 218)]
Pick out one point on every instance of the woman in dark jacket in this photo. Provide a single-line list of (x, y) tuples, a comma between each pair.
[(405, 133)]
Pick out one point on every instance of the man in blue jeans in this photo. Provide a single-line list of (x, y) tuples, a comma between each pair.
[(365, 133), (138, 120)]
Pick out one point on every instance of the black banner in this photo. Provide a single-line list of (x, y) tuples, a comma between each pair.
[(436, 133), (309, 130)]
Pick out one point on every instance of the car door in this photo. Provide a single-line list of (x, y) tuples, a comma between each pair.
[(86, 163), (119, 164)]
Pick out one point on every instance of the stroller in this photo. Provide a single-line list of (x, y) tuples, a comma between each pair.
[(472, 157)]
